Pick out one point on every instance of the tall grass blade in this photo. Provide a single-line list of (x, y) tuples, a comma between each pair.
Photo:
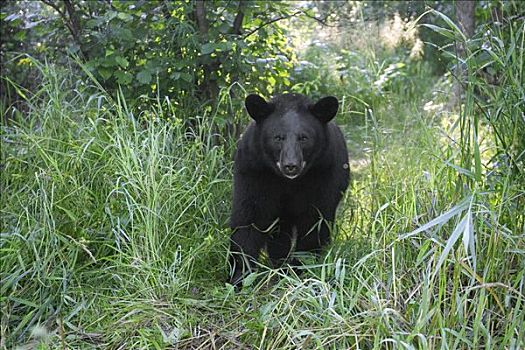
[(440, 220)]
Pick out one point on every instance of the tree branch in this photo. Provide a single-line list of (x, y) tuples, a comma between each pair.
[(54, 6), (321, 20), (237, 23), (272, 21), (63, 16), (70, 19), (200, 15), (111, 5), (208, 86), (73, 18), (218, 16)]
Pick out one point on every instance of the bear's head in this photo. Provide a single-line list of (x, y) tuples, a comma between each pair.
[(291, 130)]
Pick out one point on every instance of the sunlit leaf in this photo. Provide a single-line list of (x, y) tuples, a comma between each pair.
[(469, 239), (440, 220), (443, 31), (123, 62), (458, 230)]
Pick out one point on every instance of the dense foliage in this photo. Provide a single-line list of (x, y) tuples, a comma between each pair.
[(186, 51), (115, 172)]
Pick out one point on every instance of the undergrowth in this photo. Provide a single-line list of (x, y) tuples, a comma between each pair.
[(114, 232)]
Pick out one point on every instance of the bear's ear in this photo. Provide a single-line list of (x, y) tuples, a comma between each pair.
[(257, 107), (325, 109)]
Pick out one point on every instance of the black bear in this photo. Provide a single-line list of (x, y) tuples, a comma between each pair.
[(290, 172)]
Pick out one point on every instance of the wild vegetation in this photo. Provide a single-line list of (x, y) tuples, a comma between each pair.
[(116, 173)]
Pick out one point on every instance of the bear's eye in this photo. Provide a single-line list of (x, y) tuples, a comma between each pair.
[(303, 138), (278, 138)]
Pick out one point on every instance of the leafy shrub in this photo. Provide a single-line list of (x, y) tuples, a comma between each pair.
[(155, 48)]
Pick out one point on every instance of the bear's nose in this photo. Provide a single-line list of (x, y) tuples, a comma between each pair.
[(291, 168)]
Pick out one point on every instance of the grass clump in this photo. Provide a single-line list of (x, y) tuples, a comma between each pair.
[(97, 206)]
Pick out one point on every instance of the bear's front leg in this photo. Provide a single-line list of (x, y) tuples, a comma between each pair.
[(245, 245), (254, 217), (282, 244), (314, 229), (314, 238)]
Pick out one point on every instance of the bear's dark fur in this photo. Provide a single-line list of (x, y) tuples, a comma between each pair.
[(290, 172)]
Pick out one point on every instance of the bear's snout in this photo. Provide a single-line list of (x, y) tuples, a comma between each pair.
[(291, 170), (291, 162)]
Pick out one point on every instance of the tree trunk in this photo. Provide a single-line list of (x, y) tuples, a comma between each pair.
[(465, 20), (208, 87), (465, 17)]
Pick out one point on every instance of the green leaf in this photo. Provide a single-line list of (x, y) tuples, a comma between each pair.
[(186, 77), (224, 28), (108, 62), (144, 77), (92, 23), (460, 228), (248, 280), (124, 34), (110, 15), (461, 170), (124, 16), (440, 220), (105, 73), (443, 31), (451, 24), (224, 46), (477, 158), (20, 36), (69, 213), (208, 48), (469, 239), (123, 62), (123, 78)]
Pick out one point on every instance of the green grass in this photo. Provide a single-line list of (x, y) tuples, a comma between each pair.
[(114, 235)]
